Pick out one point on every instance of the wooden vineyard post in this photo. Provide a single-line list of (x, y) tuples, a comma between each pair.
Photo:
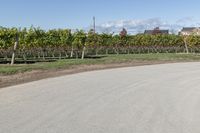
[(186, 45), (15, 47), (83, 53)]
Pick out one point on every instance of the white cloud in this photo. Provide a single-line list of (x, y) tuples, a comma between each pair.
[(138, 26), (185, 20)]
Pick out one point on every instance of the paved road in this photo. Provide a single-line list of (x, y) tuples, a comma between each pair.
[(146, 99)]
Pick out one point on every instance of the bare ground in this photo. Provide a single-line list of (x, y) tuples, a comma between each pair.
[(20, 78)]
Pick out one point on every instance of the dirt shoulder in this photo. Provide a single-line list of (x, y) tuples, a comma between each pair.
[(20, 78)]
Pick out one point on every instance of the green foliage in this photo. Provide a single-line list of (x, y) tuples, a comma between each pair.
[(79, 40), (34, 41), (7, 37), (93, 39)]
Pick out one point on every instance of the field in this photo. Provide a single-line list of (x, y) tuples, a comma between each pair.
[(110, 59), (47, 53), (21, 73), (38, 45)]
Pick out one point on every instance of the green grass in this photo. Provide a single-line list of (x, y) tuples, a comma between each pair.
[(68, 63)]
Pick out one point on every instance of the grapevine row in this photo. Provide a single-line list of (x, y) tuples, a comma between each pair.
[(38, 43)]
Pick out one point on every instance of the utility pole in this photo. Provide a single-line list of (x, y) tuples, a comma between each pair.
[(94, 25)]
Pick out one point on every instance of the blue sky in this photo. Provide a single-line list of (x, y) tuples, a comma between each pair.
[(78, 13)]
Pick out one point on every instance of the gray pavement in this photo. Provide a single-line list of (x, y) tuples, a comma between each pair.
[(146, 99)]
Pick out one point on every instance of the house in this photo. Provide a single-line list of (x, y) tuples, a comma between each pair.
[(190, 31), (156, 31)]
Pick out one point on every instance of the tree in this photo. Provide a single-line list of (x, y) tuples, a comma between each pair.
[(123, 33), (106, 41), (187, 37), (79, 41), (123, 38), (93, 40), (116, 40)]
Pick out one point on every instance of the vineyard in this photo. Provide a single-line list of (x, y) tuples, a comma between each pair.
[(36, 44)]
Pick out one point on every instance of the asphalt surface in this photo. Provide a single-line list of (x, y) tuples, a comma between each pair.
[(146, 99)]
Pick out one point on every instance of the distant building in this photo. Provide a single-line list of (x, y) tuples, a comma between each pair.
[(156, 31), (190, 31)]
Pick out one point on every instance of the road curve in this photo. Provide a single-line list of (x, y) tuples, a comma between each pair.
[(146, 99)]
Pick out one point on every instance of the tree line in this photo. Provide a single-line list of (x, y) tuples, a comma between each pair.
[(59, 43)]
